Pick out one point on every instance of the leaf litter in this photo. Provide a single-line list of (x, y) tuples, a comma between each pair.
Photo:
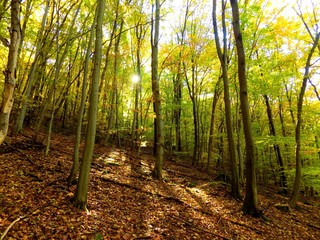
[(125, 202)]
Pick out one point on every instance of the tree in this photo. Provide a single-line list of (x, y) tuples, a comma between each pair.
[(140, 31), (113, 112), (11, 70), (75, 166), (223, 57), (276, 147), (250, 204), (158, 123), (306, 76), (216, 96), (177, 88), (81, 194)]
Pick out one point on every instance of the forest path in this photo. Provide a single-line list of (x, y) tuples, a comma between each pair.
[(125, 202)]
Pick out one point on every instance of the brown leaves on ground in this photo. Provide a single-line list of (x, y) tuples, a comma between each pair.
[(125, 202)]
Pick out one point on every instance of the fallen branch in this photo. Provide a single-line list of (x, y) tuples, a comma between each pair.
[(193, 176), (35, 177), (141, 190), (51, 184), (166, 197), (24, 154), (198, 228), (10, 226), (36, 211), (244, 225), (313, 226)]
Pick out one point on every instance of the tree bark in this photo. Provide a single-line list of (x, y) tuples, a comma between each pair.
[(31, 77), (112, 117), (250, 205), (276, 148), (223, 57), (216, 96), (157, 171), (75, 166), (11, 70), (81, 193), (306, 76), (177, 88)]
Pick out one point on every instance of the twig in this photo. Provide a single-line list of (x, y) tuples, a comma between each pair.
[(10, 226), (198, 228), (51, 183)]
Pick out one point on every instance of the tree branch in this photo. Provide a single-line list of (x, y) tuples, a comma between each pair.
[(4, 41), (315, 89)]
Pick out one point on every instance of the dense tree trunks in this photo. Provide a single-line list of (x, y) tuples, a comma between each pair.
[(54, 85), (81, 194), (192, 89), (223, 57), (276, 147), (114, 115), (11, 70), (250, 205), (157, 172), (113, 111), (31, 77), (60, 59), (140, 32), (317, 145), (177, 83), (104, 79), (217, 93), (297, 179)]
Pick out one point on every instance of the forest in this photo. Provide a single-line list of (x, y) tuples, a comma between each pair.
[(161, 119)]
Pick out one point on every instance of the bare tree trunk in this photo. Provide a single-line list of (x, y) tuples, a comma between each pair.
[(75, 166), (250, 205), (81, 194), (223, 57), (112, 121), (59, 63), (10, 72), (177, 91), (215, 100), (157, 171), (283, 179), (297, 179), (317, 145)]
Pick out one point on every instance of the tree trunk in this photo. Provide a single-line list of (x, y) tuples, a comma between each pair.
[(112, 121), (10, 72), (283, 179), (59, 63), (215, 100), (250, 205), (177, 88), (81, 194), (140, 32), (223, 57), (75, 166), (306, 76), (157, 171)]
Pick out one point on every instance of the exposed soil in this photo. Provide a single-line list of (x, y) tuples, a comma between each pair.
[(125, 202)]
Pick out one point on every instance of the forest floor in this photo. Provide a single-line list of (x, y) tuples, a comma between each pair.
[(125, 202)]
